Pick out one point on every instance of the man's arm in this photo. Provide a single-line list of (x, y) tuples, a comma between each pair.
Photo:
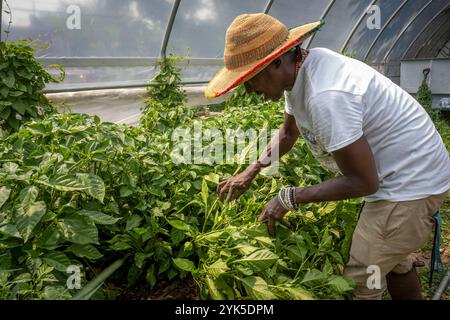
[(359, 179), (284, 140)]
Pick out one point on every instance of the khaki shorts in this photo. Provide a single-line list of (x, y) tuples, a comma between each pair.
[(386, 236)]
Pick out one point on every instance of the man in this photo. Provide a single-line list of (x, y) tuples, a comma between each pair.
[(355, 121)]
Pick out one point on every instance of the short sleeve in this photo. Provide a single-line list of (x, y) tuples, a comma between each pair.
[(336, 118), (288, 107)]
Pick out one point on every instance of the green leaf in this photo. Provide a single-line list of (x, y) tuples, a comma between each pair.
[(337, 257), (85, 251), (296, 253), (217, 268), (180, 225), (259, 260), (48, 239), (340, 284), (95, 187), (327, 267), (257, 288), (265, 241), (246, 249), (26, 219), (13, 122), (211, 236), (151, 276), (328, 208), (98, 217), (246, 271), (133, 222), (20, 107), (205, 191), (10, 230), (313, 275), (28, 195), (4, 195), (126, 191), (57, 260), (56, 293), (213, 289), (23, 278), (5, 113), (9, 79), (213, 177), (184, 264), (91, 184), (79, 229), (10, 167), (120, 242), (65, 183), (140, 257), (299, 293)]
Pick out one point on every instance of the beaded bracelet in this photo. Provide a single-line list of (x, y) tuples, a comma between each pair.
[(292, 198), (286, 197), (281, 198)]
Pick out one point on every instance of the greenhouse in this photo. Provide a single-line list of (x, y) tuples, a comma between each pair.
[(224, 150)]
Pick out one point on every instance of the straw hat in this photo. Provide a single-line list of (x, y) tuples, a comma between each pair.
[(252, 42)]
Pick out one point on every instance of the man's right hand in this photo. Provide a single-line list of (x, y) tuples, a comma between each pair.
[(236, 186)]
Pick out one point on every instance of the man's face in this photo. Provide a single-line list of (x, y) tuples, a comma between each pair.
[(269, 83)]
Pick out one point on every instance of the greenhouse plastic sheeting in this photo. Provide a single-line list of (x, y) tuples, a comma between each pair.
[(429, 31), (415, 26), (200, 25), (363, 37), (388, 36), (133, 32), (339, 22), (108, 28), (294, 13)]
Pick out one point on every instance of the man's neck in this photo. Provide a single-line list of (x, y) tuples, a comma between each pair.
[(293, 57)]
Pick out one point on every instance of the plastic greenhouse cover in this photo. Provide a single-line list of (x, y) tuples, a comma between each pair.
[(388, 37), (117, 29), (339, 22), (410, 33), (135, 29), (363, 36), (438, 42), (437, 39), (200, 25), (106, 28), (425, 36), (295, 13)]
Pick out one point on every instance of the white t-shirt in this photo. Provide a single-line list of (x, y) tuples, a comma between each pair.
[(335, 100)]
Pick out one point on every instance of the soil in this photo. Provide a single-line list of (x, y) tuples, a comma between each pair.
[(183, 289)]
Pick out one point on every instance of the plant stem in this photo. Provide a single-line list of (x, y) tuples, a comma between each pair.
[(96, 283)]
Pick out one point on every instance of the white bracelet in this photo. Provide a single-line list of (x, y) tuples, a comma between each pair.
[(286, 196)]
